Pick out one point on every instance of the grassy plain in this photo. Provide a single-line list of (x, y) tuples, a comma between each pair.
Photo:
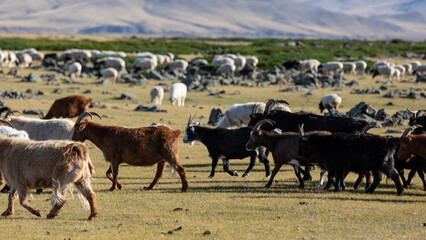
[(228, 207)]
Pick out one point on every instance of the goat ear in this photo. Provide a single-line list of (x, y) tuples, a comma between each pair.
[(82, 127)]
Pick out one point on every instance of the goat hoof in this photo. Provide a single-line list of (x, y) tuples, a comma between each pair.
[(119, 186), (211, 176), (92, 216), (183, 190), (245, 175), (38, 213), (6, 213), (147, 188), (234, 173), (302, 187), (50, 216), (39, 191), (112, 189)]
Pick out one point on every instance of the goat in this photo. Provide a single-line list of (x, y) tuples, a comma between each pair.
[(225, 144), (284, 148), (28, 164), (157, 94), (144, 146), (343, 152), (178, 94), (411, 144), (330, 101), (68, 107)]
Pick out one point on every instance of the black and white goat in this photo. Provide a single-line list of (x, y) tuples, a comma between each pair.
[(225, 144)]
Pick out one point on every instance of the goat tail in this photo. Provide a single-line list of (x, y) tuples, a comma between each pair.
[(57, 197)]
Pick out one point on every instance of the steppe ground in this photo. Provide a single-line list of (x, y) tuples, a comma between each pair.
[(228, 207)]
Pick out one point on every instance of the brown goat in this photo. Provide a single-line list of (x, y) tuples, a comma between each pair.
[(68, 107), (411, 145), (28, 164), (144, 146)]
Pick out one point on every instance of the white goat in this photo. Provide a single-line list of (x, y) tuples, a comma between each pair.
[(239, 113), (73, 70), (24, 59), (332, 67), (239, 62), (109, 74), (330, 101), (360, 67), (117, 63), (178, 94), (157, 95), (143, 64), (384, 70), (226, 69), (309, 64), (28, 164), (421, 69), (252, 61), (349, 67), (179, 65)]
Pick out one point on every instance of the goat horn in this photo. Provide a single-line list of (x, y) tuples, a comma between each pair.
[(83, 116), (283, 101), (192, 120), (269, 105), (6, 122), (410, 129), (9, 112), (260, 123), (97, 115), (3, 109), (301, 131), (189, 120), (366, 128)]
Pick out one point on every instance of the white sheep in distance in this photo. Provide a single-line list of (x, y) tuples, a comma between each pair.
[(157, 95), (74, 54), (144, 64), (414, 64), (349, 67), (222, 60), (331, 67), (11, 59), (408, 68), (421, 69), (170, 55), (360, 67), (146, 55), (384, 70), (117, 63), (239, 113), (309, 64), (110, 74), (74, 70), (330, 101), (28, 164), (378, 64), (178, 94), (160, 58), (239, 62), (226, 69), (179, 65), (199, 62), (24, 59), (396, 74), (252, 61), (401, 69)]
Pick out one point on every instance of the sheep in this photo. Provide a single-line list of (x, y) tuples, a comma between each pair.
[(157, 94), (109, 74), (349, 67), (143, 64), (73, 70), (414, 64), (396, 74), (222, 60), (179, 65), (252, 61), (199, 62), (384, 71), (147, 55), (408, 68), (11, 59), (226, 69), (160, 58), (308, 64), (68, 107), (330, 101), (239, 62), (24, 59), (74, 54), (239, 113), (178, 94), (378, 64), (113, 54), (28, 164), (360, 67), (117, 63), (143, 146), (401, 69), (331, 67), (420, 69), (170, 55)]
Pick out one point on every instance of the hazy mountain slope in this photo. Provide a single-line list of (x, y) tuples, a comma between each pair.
[(203, 18)]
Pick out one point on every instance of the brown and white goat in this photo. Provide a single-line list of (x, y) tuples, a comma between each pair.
[(144, 146), (68, 107), (283, 146), (28, 164), (411, 144)]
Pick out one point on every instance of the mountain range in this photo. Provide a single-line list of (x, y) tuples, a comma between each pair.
[(355, 19)]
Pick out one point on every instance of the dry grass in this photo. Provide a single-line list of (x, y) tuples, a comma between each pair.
[(229, 207)]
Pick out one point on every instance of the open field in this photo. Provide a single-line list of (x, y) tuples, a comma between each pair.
[(229, 207)]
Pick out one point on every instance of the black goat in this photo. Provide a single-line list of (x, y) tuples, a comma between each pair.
[(342, 153), (225, 144)]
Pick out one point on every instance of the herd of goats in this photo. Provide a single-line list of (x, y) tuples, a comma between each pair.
[(49, 152)]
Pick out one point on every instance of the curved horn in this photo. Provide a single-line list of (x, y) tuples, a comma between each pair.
[(260, 123), (366, 128), (301, 131), (271, 103), (410, 129), (189, 120), (83, 116), (6, 122), (3, 109), (283, 101), (9, 112), (97, 115)]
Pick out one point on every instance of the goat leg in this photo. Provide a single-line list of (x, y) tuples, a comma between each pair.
[(109, 175), (10, 207), (299, 177), (23, 200), (377, 177), (115, 183), (404, 181), (422, 177), (410, 177), (226, 168), (250, 167), (160, 170), (274, 172), (214, 164), (307, 175)]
